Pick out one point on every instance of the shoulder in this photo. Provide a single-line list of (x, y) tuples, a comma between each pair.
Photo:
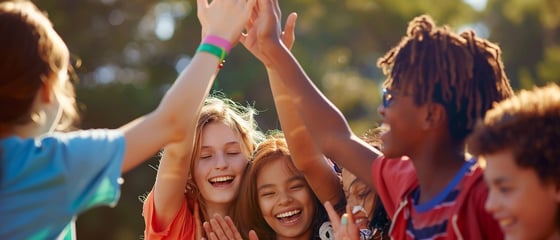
[(398, 171)]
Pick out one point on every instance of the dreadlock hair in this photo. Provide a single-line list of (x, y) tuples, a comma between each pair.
[(462, 72)]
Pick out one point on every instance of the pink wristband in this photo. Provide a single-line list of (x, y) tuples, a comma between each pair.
[(218, 41)]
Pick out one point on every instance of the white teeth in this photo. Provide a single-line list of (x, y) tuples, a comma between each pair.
[(288, 213), (385, 127), (221, 179)]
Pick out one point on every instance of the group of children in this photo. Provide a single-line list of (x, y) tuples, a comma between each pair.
[(459, 155)]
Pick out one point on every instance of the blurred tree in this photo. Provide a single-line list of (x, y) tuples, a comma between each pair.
[(529, 34), (131, 51)]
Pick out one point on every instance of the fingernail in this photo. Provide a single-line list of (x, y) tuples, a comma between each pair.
[(344, 219)]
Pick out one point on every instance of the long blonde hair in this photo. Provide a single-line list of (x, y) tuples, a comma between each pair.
[(240, 119)]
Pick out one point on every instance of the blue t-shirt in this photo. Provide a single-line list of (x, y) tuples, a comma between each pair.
[(46, 182)]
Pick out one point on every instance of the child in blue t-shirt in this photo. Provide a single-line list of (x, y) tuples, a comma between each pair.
[(48, 178)]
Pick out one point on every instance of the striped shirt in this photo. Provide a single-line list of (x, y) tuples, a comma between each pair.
[(429, 220)]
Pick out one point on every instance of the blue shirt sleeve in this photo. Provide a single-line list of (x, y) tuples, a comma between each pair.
[(92, 161)]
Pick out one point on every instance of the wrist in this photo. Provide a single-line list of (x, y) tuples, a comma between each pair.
[(272, 53), (216, 46)]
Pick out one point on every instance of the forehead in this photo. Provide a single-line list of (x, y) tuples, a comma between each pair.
[(347, 178), (500, 164), (218, 133), (275, 171)]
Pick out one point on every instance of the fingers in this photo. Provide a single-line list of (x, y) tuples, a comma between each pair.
[(232, 228), (200, 5), (350, 226), (253, 235), (276, 9), (250, 8), (291, 23), (288, 35), (333, 215), (219, 228), (265, 6)]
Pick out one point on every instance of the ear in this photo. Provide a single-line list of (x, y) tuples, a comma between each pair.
[(435, 116)]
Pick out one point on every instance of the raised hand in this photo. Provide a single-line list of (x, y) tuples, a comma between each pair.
[(223, 228), (224, 18), (344, 227), (264, 29)]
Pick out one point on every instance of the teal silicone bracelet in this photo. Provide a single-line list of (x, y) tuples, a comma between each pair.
[(213, 49)]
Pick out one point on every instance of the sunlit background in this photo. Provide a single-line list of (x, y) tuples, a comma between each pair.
[(131, 51)]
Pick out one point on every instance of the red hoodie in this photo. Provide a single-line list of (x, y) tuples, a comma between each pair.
[(394, 181)]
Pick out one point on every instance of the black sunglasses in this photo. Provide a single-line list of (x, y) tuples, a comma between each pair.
[(387, 97)]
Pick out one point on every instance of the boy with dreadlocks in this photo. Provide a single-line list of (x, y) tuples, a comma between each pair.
[(439, 84)]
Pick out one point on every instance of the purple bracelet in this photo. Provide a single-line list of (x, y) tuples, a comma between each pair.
[(218, 41)]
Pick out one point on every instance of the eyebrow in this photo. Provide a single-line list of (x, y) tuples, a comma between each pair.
[(292, 179), (499, 180), (226, 144)]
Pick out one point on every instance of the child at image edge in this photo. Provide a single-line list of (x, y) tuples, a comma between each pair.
[(47, 178), (519, 140)]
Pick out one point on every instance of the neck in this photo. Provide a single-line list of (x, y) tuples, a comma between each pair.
[(436, 164), (221, 209), (304, 236)]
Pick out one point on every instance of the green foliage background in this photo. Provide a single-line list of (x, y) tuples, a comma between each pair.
[(125, 68)]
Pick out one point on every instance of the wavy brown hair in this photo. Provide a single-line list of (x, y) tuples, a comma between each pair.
[(247, 213), (462, 72), (33, 56)]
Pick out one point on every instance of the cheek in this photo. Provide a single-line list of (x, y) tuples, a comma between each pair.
[(368, 202), (239, 165), (306, 197), (266, 206), (201, 169)]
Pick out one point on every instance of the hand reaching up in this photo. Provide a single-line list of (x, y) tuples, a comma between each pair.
[(264, 29), (224, 18)]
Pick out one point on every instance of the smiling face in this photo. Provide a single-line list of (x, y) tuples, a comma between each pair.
[(359, 197), (524, 206), (285, 200), (401, 120), (220, 164)]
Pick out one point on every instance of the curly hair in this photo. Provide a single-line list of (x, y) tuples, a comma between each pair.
[(528, 125), (462, 72)]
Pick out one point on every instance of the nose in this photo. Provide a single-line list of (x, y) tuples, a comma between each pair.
[(381, 110), (491, 204), (285, 198), (221, 162)]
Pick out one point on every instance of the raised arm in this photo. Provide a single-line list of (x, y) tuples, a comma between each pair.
[(325, 122), (306, 156), (175, 117)]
